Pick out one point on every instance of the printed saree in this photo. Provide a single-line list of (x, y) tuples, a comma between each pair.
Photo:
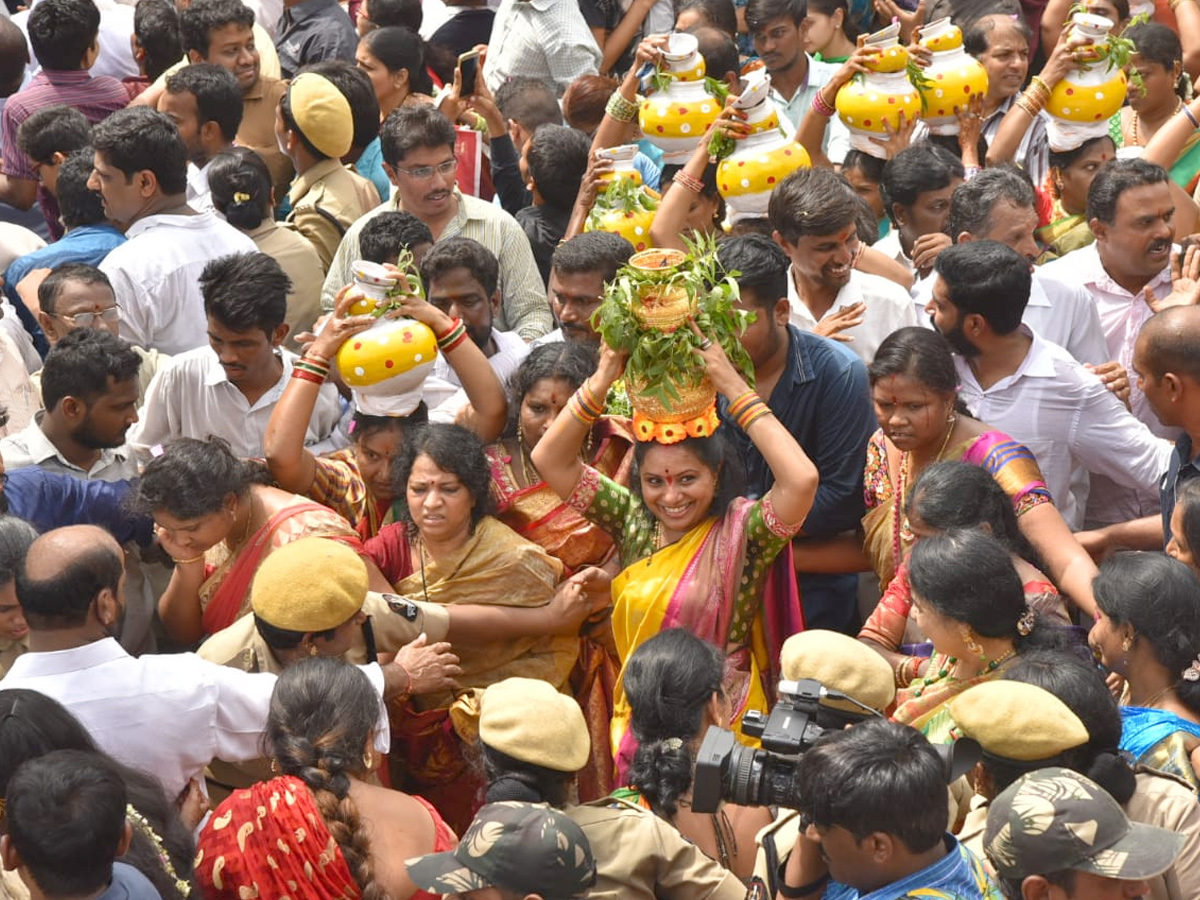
[(924, 706), (225, 593), (718, 581), (537, 514), (885, 526), (496, 567), (270, 840), (1158, 739)]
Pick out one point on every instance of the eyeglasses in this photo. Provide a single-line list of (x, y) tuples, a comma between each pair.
[(88, 319), (424, 173)]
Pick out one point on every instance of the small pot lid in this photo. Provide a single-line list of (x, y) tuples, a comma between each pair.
[(680, 46), (756, 89), (372, 273), (885, 36), (623, 153)]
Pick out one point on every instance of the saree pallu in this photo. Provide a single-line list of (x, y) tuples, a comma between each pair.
[(1158, 739), (225, 593), (271, 841), (1010, 463), (496, 567), (928, 712), (538, 514), (697, 583)]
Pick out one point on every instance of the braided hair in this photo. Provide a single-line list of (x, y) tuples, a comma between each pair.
[(322, 712)]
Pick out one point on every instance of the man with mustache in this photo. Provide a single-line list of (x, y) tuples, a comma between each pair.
[(1127, 270), (230, 388), (1032, 389), (578, 272)]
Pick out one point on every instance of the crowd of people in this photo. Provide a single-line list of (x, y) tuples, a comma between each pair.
[(338, 558)]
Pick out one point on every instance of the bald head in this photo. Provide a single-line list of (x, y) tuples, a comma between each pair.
[(14, 57), (64, 572), (1170, 342)]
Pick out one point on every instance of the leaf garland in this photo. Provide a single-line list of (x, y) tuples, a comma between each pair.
[(621, 195), (920, 81), (666, 361)]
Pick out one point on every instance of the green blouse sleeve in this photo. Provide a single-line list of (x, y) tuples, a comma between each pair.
[(766, 537)]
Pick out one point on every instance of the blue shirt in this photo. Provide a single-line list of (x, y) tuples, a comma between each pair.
[(824, 400), (370, 166), (129, 884), (48, 500), (1183, 468), (956, 876), (85, 244)]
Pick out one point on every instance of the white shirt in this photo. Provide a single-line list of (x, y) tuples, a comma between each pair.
[(889, 308), (1057, 311), (199, 194), (155, 275), (546, 39), (443, 392), (1122, 315), (169, 716), (837, 138), (1070, 422), (193, 397), (116, 53), (889, 246)]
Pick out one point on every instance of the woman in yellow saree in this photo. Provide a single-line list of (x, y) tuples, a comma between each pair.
[(693, 555)]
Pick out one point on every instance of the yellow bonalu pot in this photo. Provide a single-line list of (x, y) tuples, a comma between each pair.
[(675, 119), (1082, 103), (953, 76), (387, 365), (868, 102)]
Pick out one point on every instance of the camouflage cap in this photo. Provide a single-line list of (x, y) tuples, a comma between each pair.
[(1055, 819), (527, 848)]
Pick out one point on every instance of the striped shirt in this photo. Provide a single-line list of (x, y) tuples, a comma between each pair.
[(95, 97), (544, 39), (523, 304)]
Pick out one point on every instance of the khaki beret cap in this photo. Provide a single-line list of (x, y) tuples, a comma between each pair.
[(529, 720), (842, 664), (1017, 721), (312, 584), (322, 113)]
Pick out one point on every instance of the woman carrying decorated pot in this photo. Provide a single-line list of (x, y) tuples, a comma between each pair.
[(694, 554)]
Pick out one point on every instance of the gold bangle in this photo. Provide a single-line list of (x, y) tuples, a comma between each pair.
[(1042, 88), (184, 562)]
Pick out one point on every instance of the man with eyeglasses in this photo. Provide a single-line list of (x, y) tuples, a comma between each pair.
[(78, 296), (418, 156)]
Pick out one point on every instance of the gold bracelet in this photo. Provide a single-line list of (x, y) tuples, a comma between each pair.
[(184, 562), (621, 109), (1174, 4), (1041, 87)]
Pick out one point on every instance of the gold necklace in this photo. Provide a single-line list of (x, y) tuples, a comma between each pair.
[(901, 487), (1149, 703), (1136, 118), (233, 548)]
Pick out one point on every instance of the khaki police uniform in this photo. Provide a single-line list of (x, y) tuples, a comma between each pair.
[(326, 200)]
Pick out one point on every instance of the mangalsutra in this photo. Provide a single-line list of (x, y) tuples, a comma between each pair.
[(901, 488)]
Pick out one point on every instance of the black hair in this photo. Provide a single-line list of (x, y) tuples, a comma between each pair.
[(1160, 598), (812, 202), (1063, 879), (920, 353), (1115, 178), (289, 124), (13, 59), (967, 576), (1187, 501), (411, 127), (878, 776), (156, 25), (987, 278), (50, 288), (975, 35), (592, 251), (33, 724), (355, 86), (53, 129), (16, 535), (285, 638), (558, 158), (385, 235), (61, 32), (62, 600), (81, 364), (530, 102), (193, 477), (137, 139), (720, 14), (973, 201), (954, 494), (1080, 686), (511, 779), (246, 291), (570, 361), (1064, 159), (236, 171), (363, 426), (1156, 43), (65, 813), (218, 95), (202, 17), (452, 449), (762, 265), (714, 454), (828, 8), (871, 166), (914, 171), (759, 13), (717, 47), (400, 48), (78, 204), (397, 14), (322, 713), (866, 223), (461, 253), (669, 681), (708, 181)]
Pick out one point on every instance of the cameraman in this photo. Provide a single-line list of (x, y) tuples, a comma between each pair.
[(873, 798)]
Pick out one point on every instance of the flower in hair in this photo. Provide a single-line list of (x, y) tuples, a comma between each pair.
[(673, 743), (1026, 621), (1192, 672), (241, 197)]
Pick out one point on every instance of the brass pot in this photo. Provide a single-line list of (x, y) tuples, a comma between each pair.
[(694, 400), (663, 308)]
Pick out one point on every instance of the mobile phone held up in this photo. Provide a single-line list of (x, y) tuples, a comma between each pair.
[(468, 65)]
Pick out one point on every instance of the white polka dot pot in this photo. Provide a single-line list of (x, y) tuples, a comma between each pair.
[(387, 364), (1083, 102), (952, 77), (879, 96)]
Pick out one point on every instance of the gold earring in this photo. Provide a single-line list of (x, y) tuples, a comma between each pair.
[(275, 765), (968, 637), (312, 649), (369, 761)]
